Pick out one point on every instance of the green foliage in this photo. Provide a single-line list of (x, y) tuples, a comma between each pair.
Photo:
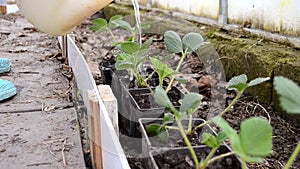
[(240, 84), (254, 141), (191, 102), (162, 99), (190, 42), (213, 141), (162, 69), (160, 130), (289, 94), (130, 58)]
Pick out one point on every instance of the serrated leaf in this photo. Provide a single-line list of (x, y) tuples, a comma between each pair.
[(173, 42), (129, 47), (192, 41), (161, 98), (168, 118), (209, 140), (99, 24), (238, 82), (258, 81), (256, 137), (191, 101), (289, 94)]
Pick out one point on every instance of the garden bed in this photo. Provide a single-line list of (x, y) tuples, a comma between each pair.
[(95, 46)]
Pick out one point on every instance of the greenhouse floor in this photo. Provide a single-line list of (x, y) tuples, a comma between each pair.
[(38, 125)]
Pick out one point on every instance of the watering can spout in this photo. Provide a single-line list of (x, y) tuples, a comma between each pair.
[(59, 17)]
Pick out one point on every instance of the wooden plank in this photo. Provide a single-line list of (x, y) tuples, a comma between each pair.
[(94, 130)]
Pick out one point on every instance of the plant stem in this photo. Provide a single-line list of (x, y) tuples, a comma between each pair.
[(172, 127), (187, 142), (223, 112), (220, 157), (142, 82), (232, 103), (184, 54), (199, 126), (150, 76), (293, 156), (209, 156), (112, 35), (244, 164), (189, 130)]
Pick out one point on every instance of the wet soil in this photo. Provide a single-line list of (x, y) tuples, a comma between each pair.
[(95, 46)]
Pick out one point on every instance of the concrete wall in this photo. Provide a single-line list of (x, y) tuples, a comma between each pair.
[(280, 16)]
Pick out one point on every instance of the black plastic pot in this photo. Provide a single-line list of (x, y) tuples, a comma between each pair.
[(106, 69), (181, 158), (175, 139)]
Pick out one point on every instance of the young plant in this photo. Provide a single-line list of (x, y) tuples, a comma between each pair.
[(162, 69), (289, 94), (131, 57), (102, 25), (116, 21), (254, 141), (250, 145), (239, 84), (189, 43)]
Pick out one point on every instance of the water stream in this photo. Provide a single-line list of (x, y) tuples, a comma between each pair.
[(137, 20)]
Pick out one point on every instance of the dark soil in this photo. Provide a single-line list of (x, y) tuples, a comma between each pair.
[(181, 159), (286, 132), (175, 139)]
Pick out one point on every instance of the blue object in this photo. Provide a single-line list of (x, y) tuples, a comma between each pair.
[(7, 89), (4, 65)]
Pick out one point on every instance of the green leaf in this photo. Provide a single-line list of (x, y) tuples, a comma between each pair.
[(162, 69), (191, 101), (256, 137), (152, 129), (230, 133), (209, 140), (192, 41), (129, 47), (238, 82), (221, 137), (289, 94), (122, 24), (113, 20), (168, 118), (157, 130), (258, 81), (173, 42), (99, 24), (146, 45), (123, 65), (161, 98)]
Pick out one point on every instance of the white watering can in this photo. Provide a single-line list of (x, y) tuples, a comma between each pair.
[(59, 17)]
